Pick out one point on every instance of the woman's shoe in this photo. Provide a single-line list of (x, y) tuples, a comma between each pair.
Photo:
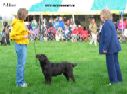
[(23, 85)]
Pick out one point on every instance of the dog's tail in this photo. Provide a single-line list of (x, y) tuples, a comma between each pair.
[(74, 64)]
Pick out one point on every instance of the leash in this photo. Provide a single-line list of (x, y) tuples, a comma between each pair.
[(35, 49), (35, 40), (35, 52)]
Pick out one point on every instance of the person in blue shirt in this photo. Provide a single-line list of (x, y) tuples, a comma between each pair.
[(61, 23), (110, 46)]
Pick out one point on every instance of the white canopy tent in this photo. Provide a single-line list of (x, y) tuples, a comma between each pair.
[(8, 8), (61, 7)]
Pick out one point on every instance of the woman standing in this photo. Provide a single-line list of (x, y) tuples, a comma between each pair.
[(110, 46), (93, 31), (19, 34)]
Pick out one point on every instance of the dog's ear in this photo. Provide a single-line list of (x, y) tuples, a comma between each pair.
[(42, 58)]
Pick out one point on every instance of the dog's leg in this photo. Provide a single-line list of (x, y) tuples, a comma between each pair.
[(66, 76), (72, 77), (48, 80)]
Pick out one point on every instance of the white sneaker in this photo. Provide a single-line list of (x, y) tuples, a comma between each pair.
[(23, 85), (109, 84)]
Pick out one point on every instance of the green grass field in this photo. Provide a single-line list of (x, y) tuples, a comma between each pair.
[(90, 74)]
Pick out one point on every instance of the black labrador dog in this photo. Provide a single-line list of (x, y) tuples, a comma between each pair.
[(50, 69)]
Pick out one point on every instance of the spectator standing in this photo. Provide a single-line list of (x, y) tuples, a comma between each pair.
[(93, 31)]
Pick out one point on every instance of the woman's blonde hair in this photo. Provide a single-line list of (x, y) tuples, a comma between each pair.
[(107, 15), (22, 13)]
